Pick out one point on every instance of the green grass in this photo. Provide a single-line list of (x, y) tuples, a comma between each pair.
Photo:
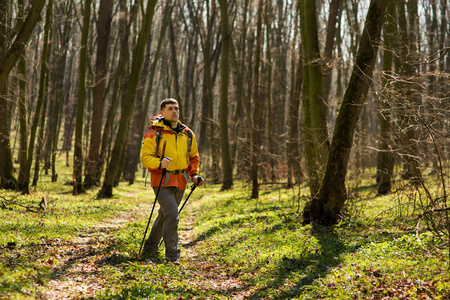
[(235, 246), (280, 258)]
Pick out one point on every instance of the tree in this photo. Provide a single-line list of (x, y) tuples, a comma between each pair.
[(329, 45), (207, 126), (59, 86), (103, 32), (7, 178), (326, 206), (227, 170), (8, 59), (118, 78), (270, 135), (292, 143), (409, 87), (174, 66), (24, 179), (78, 186), (22, 69), (385, 156), (140, 118), (258, 108), (44, 94), (128, 101), (315, 132)]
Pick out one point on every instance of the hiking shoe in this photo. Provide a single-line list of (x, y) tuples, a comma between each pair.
[(175, 261), (150, 255)]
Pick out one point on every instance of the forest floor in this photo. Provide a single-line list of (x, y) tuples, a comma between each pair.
[(233, 247), (78, 277)]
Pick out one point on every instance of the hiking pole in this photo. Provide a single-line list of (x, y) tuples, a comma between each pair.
[(156, 198)]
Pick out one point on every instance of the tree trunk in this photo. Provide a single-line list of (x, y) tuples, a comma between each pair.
[(8, 61), (70, 111), (327, 205), (23, 128), (242, 117), (385, 156), (174, 66), (78, 186), (270, 133), (189, 90), (227, 171), (45, 74), (205, 34), (124, 34), (59, 86), (280, 72), (327, 64), (24, 186), (138, 127), (52, 114), (128, 105), (207, 126), (103, 32), (409, 88), (292, 144), (315, 132), (7, 179), (258, 108)]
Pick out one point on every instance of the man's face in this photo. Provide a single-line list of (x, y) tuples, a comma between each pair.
[(171, 112)]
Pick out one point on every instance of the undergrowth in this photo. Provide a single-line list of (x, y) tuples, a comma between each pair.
[(232, 246)]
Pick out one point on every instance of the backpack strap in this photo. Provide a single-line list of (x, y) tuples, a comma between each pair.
[(189, 134), (158, 139), (189, 143)]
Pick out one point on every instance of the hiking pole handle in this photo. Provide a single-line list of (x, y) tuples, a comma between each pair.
[(199, 179)]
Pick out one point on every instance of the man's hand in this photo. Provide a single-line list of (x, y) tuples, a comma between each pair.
[(165, 162), (198, 180)]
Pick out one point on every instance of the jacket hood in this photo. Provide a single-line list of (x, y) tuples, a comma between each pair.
[(159, 121)]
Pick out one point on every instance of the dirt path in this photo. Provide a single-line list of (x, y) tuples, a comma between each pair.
[(213, 276), (79, 274)]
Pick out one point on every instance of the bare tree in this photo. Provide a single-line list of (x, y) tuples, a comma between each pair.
[(385, 156), (23, 128), (8, 59), (227, 170), (327, 205), (407, 69), (41, 103), (315, 132), (141, 118), (78, 186), (128, 102), (293, 146), (103, 32), (258, 108), (329, 45), (45, 94)]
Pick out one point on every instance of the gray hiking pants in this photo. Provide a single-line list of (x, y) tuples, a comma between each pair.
[(166, 224)]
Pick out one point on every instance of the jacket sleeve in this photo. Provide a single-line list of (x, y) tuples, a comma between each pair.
[(148, 155), (194, 159)]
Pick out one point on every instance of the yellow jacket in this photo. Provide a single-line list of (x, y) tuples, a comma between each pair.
[(174, 144)]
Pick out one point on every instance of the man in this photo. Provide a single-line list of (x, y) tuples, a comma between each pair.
[(171, 146)]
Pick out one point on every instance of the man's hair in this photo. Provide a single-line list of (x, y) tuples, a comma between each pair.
[(168, 101)]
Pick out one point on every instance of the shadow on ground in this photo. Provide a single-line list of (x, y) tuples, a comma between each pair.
[(313, 264)]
